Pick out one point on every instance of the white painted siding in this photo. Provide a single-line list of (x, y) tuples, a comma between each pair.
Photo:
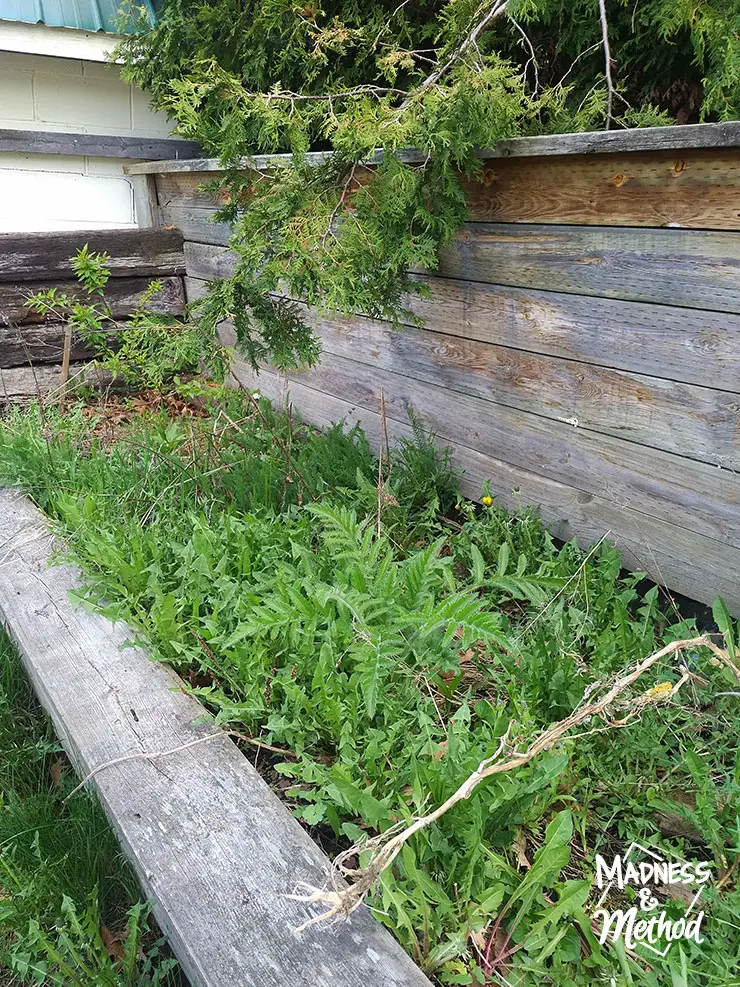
[(55, 192)]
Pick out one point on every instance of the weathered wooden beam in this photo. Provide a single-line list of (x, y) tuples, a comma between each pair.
[(592, 142), (215, 850), (698, 566), (46, 256), (97, 145), (22, 385), (697, 422), (696, 496), (674, 344), (33, 344), (692, 268), (694, 189), (122, 295)]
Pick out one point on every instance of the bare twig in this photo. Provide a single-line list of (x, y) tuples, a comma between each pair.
[(342, 901), (493, 9), (65, 366), (532, 57), (607, 64)]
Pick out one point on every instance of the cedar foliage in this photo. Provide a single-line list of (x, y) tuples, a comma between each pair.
[(442, 76)]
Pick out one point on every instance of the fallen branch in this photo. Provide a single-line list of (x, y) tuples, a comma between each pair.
[(341, 901)]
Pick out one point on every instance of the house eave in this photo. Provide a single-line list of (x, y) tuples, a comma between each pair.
[(58, 42)]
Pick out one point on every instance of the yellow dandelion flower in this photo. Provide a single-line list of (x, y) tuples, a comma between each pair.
[(487, 500)]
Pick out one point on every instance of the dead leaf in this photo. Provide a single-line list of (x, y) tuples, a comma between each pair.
[(520, 846), (55, 773), (113, 942)]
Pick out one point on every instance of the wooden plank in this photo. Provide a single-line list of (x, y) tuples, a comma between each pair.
[(195, 223), (695, 189), (97, 145), (214, 848), (206, 262), (46, 256), (21, 346), (122, 295), (698, 422), (697, 347), (693, 495), (185, 189), (599, 141), (689, 563), (22, 385), (692, 268), (682, 268)]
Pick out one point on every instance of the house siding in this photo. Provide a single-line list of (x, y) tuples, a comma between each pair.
[(53, 192)]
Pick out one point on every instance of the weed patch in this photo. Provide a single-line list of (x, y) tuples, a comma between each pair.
[(390, 643)]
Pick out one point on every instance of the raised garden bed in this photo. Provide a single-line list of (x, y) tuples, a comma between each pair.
[(383, 635)]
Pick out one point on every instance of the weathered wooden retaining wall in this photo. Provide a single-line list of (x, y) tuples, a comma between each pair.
[(581, 346), (30, 346)]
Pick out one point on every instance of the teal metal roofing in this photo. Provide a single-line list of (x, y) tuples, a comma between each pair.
[(88, 15)]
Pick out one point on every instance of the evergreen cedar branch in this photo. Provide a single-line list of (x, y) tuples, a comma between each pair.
[(444, 76)]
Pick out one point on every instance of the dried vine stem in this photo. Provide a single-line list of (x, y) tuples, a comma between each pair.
[(341, 901)]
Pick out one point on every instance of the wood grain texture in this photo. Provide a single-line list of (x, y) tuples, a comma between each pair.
[(21, 385), (46, 256), (689, 563), (37, 344), (680, 344), (687, 345), (96, 145), (693, 495), (205, 262), (691, 268), (680, 268), (714, 135), (122, 295), (694, 189), (698, 422), (213, 847)]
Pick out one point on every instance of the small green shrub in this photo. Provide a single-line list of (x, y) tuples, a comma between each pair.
[(148, 350)]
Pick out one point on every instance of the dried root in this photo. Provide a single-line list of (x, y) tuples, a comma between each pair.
[(342, 899)]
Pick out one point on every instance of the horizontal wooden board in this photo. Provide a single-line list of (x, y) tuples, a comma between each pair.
[(697, 422), (695, 189), (122, 295), (46, 256), (695, 565), (206, 262), (214, 848), (21, 385), (713, 135), (196, 223), (34, 344), (682, 344), (699, 497), (681, 268), (696, 347), (97, 145), (691, 268)]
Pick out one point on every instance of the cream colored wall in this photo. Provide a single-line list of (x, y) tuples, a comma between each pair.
[(54, 192)]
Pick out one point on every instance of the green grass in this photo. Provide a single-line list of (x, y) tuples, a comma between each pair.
[(389, 654), (63, 883)]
